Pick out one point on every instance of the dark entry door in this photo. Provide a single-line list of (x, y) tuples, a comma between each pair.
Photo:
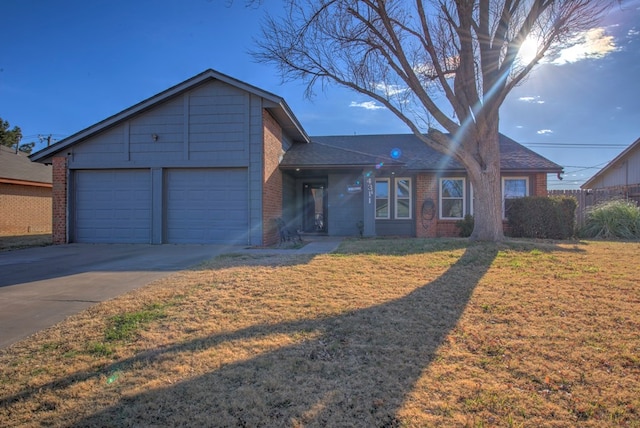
[(315, 207)]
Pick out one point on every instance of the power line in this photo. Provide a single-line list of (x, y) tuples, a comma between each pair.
[(577, 146), (584, 168)]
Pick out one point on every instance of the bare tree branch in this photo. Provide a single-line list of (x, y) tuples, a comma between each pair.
[(416, 57)]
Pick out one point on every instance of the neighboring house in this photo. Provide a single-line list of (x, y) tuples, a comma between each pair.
[(25, 194), (215, 160), (620, 178)]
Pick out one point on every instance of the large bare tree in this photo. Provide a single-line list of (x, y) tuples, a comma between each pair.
[(443, 67)]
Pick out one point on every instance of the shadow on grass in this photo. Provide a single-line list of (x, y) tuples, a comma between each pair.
[(355, 369), (400, 247)]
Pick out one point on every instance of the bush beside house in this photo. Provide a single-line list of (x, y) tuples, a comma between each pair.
[(542, 217)]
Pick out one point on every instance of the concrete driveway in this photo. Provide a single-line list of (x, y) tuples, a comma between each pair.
[(42, 286)]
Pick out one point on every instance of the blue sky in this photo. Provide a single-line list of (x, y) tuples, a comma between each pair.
[(67, 64)]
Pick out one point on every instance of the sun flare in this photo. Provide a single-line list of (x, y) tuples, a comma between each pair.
[(528, 50)]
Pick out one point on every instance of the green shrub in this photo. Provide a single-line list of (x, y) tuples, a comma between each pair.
[(465, 226), (542, 217), (614, 219)]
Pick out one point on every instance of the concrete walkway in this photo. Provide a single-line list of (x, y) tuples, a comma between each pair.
[(313, 245), (42, 286)]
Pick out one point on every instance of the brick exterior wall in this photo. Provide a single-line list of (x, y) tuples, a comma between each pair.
[(426, 226), (272, 180), (427, 188), (59, 206), (25, 209), (539, 185)]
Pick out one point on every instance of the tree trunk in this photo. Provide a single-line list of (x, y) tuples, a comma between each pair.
[(484, 172), (487, 208)]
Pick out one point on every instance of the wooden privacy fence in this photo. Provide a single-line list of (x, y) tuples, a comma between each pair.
[(592, 197)]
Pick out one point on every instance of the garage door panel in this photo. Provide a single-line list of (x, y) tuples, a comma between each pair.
[(113, 206), (207, 206)]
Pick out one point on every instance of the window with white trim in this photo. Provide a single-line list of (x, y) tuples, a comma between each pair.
[(403, 198), (452, 198), (512, 188), (382, 198)]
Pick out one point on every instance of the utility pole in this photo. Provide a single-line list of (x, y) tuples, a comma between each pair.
[(47, 138)]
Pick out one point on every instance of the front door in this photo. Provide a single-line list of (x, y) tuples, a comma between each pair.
[(315, 207)]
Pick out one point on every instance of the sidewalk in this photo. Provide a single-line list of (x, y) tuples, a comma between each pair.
[(312, 245)]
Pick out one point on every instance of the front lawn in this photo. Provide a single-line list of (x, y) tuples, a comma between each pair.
[(382, 333)]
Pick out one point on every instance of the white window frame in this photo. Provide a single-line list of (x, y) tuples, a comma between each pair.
[(442, 198), (388, 198), (471, 196), (526, 190), (410, 198)]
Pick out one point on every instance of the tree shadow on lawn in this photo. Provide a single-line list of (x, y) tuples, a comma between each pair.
[(354, 369), (390, 247)]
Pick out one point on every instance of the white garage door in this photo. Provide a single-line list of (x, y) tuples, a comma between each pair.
[(112, 206), (208, 206)]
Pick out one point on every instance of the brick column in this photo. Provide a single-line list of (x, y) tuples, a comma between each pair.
[(426, 189), (59, 205), (540, 185), (272, 179)]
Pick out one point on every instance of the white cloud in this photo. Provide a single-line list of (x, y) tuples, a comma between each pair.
[(591, 44), (633, 33), (535, 100), (391, 90), (367, 105), (545, 132)]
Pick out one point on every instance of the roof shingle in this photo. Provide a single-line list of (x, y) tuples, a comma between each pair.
[(402, 150), (17, 166)]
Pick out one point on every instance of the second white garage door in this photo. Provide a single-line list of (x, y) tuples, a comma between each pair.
[(208, 206)]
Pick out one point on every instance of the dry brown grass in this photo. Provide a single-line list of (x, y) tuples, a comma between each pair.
[(15, 242), (382, 333)]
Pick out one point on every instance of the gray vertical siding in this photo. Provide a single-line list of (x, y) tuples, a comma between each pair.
[(157, 205), (624, 172), (167, 122), (345, 209), (290, 206), (214, 124), (398, 227), (219, 120)]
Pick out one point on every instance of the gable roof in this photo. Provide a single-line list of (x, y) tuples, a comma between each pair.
[(590, 182), (16, 168), (275, 104), (404, 151)]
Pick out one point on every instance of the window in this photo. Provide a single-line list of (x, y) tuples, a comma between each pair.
[(513, 187), (382, 198), (403, 198), (452, 198), (393, 201)]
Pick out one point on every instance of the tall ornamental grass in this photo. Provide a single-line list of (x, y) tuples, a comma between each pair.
[(614, 219)]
